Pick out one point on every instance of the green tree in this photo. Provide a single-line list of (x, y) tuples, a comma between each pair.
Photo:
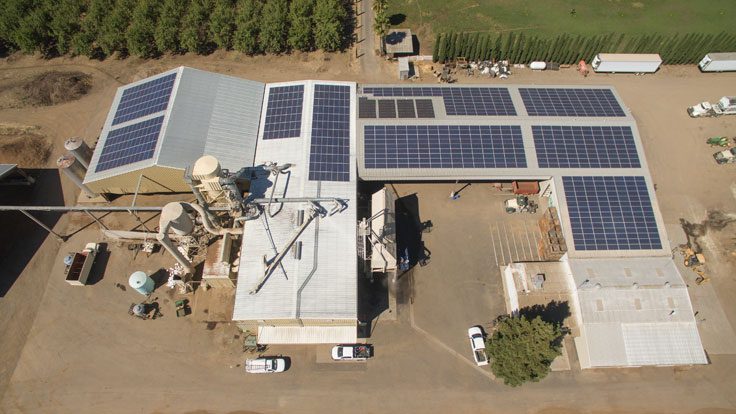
[(111, 36), (301, 36), (33, 32), (195, 33), (222, 24), (168, 27), (274, 26), (85, 42), (141, 33), (381, 24), (522, 350), (248, 26), (65, 23), (329, 18)]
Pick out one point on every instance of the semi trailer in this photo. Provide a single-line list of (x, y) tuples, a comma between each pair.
[(626, 63), (718, 62)]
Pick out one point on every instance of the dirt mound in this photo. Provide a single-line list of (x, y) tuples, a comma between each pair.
[(54, 87), (23, 145)]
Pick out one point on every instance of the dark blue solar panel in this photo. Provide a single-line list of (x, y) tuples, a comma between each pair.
[(570, 102), (284, 112), (329, 157), (585, 147), (611, 213), (130, 144), (459, 100), (144, 99), (443, 146)]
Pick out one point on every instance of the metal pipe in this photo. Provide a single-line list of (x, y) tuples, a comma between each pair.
[(221, 231), (93, 208), (47, 228), (163, 238)]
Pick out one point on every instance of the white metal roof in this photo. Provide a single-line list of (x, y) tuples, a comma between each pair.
[(207, 113), (323, 284), (630, 57), (306, 334)]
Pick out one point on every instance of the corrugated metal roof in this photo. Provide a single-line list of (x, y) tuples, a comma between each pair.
[(323, 284), (208, 113), (6, 169), (307, 334)]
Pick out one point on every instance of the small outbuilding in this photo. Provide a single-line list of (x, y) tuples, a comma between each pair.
[(399, 42)]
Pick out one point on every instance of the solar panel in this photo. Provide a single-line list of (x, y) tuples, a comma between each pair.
[(144, 99), (405, 108), (585, 147), (443, 146), (329, 158), (366, 108), (425, 109), (611, 213), (284, 112), (387, 108), (130, 144), (570, 102), (483, 101)]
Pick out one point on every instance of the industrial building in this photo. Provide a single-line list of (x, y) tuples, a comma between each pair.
[(297, 280)]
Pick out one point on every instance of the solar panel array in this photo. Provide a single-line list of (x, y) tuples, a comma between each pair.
[(387, 108), (366, 108), (284, 112), (611, 213), (130, 144), (443, 146), (585, 147), (329, 158), (425, 109), (483, 101), (570, 102), (144, 99), (405, 108)]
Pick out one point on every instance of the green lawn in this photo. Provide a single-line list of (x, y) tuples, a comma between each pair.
[(552, 17)]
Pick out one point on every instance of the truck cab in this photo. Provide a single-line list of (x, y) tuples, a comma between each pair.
[(724, 106), (265, 365), (352, 352)]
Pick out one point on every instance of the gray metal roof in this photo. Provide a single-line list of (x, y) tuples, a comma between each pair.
[(6, 169), (399, 41), (323, 283), (208, 113)]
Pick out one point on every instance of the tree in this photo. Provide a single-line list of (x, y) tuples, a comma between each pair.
[(111, 36), (301, 36), (222, 24), (248, 26), (85, 42), (140, 35), (274, 26), (65, 23), (381, 24), (33, 33), (168, 26), (195, 34), (329, 18), (522, 350)]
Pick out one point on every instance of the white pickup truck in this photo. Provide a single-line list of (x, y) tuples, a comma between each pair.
[(265, 365), (352, 352), (478, 345)]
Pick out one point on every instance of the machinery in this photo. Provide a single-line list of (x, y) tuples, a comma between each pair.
[(718, 142), (727, 156), (725, 106), (78, 265), (520, 204)]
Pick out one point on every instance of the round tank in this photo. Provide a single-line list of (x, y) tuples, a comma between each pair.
[(180, 221), (79, 149), (206, 167), (141, 282), (75, 171), (139, 310)]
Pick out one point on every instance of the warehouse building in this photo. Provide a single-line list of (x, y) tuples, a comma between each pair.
[(297, 281)]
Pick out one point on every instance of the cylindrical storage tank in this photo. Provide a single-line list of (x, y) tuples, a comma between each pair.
[(80, 150), (141, 282), (538, 66), (75, 172), (181, 222), (205, 168)]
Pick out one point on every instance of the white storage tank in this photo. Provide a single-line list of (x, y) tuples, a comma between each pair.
[(718, 62), (141, 282), (626, 62)]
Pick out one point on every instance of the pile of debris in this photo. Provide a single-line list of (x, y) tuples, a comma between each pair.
[(498, 69), (552, 246)]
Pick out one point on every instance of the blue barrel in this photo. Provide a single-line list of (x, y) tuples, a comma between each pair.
[(141, 282)]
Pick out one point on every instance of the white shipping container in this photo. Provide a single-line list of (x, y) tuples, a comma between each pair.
[(626, 63), (718, 62)]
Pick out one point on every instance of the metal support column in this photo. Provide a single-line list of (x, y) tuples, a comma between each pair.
[(47, 228)]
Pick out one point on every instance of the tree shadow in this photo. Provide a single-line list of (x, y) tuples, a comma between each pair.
[(554, 312), (397, 19)]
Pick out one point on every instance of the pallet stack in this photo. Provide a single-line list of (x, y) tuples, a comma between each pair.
[(552, 246)]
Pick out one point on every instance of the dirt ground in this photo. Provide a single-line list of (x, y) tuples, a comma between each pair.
[(67, 349)]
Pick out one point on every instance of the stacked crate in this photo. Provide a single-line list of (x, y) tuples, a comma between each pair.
[(552, 246)]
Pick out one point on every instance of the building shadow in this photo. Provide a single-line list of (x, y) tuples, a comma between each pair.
[(21, 237), (409, 230), (97, 273), (372, 302)]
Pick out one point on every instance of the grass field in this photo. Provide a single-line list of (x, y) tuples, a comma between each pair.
[(552, 17)]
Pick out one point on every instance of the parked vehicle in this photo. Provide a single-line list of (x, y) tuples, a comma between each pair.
[(478, 345), (726, 156), (265, 365), (725, 106), (626, 63), (718, 62), (78, 265), (352, 352)]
